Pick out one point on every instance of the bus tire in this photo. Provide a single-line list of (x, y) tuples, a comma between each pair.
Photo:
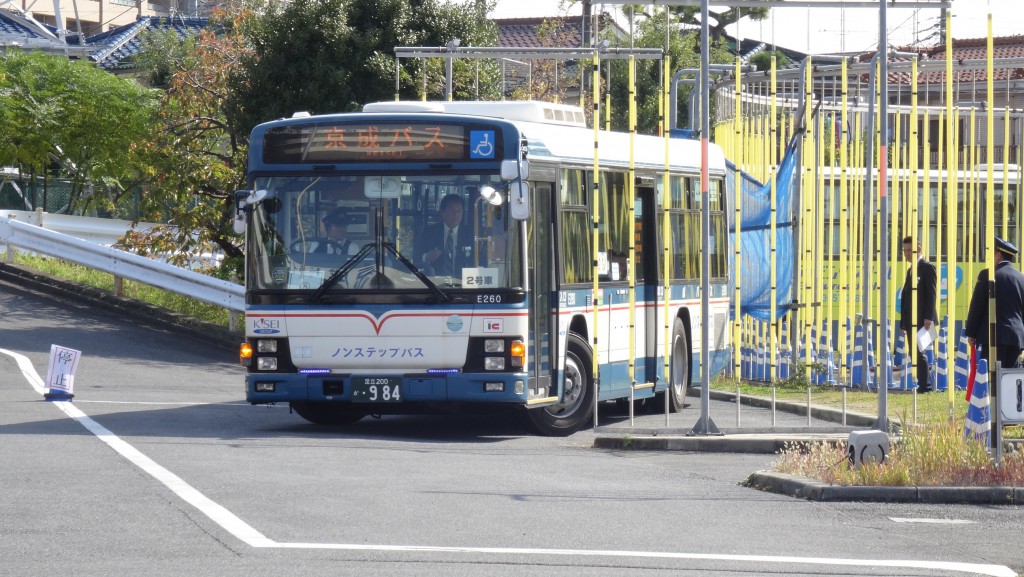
[(680, 380), (331, 414), (577, 404)]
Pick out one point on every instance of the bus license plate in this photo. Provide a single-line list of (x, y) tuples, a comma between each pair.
[(376, 389)]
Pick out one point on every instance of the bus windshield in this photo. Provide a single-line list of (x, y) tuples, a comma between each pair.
[(434, 233)]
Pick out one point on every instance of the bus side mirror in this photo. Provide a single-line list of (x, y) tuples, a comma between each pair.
[(515, 170), (240, 215), (519, 200), (245, 200)]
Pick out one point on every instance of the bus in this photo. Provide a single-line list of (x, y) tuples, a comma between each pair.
[(419, 310)]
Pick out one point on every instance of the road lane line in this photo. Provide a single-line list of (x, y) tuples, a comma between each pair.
[(932, 521), (250, 536)]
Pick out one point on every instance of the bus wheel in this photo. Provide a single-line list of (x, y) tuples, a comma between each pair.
[(577, 403), (679, 384), (327, 413)]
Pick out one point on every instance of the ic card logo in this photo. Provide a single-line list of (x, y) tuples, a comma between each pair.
[(494, 325)]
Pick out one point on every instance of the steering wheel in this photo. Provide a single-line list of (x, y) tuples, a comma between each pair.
[(317, 244)]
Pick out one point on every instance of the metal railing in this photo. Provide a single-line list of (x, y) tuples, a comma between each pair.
[(93, 254)]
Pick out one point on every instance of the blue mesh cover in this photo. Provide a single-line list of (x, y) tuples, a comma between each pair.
[(755, 232)]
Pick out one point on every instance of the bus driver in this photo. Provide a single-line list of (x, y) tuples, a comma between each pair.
[(444, 246)]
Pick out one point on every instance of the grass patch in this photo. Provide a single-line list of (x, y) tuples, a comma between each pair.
[(135, 290), (932, 408), (932, 455)]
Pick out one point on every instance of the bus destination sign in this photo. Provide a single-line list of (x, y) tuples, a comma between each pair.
[(338, 142)]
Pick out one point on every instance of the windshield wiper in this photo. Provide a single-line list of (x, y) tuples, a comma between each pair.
[(339, 273), (355, 260), (441, 295)]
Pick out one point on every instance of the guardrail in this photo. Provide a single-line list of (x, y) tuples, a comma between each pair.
[(117, 262)]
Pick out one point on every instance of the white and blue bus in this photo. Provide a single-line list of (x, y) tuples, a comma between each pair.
[(410, 308)]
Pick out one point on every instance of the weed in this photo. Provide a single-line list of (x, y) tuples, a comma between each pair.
[(936, 454)]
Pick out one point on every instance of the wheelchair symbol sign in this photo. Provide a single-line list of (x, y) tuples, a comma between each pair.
[(481, 144)]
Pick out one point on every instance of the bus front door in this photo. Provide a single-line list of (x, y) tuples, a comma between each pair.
[(543, 309)]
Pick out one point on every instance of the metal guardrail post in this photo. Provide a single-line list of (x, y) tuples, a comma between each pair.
[(119, 286)]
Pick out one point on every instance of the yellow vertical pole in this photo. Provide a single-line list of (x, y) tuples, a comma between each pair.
[(844, 259), (900, 207), (1006, 177), (666, 204), (822, 275), (608, 94), (951, 197), (596, 217), (631, 211), (772, 147), (738, 215), (990, 212), (974, 199)]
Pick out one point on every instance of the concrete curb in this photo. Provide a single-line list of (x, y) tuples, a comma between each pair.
[(144, 313), (811, 490)]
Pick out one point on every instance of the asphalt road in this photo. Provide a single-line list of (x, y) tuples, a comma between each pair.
[(158, 467)]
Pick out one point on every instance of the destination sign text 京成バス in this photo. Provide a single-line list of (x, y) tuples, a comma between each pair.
[(367, 142)]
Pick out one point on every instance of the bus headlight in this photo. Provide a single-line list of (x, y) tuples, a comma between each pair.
[(518, 353), (494, 345), (266, 346), (494, 363), (266, 363)]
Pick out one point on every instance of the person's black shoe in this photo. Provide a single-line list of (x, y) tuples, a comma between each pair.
[(924, 390)]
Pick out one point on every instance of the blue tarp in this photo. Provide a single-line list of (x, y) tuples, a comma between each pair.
[(755, 232)]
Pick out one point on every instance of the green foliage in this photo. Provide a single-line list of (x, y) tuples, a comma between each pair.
[(196, 159), (762, 61), (683, 52), (325, 56), (74, 122)]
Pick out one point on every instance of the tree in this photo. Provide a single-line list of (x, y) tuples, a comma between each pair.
[(70, 120), (684, 53), (197, 158), (325, 56)]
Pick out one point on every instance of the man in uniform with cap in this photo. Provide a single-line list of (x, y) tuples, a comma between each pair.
[(926, 315), (336, 224), (1009, 296)]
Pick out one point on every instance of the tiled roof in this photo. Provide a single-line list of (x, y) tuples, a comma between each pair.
[(524, 32), (963, 50), (977, 49), (15, 29), (118, 47), (567, 31)]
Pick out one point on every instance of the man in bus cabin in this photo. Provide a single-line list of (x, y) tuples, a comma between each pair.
[(336, 226), (926, 313), (1009, 307), (446, 247)]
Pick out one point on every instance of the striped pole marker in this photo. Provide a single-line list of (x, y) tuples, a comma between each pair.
[(785, 354), (979, 417), (961, 364), (941, 361)]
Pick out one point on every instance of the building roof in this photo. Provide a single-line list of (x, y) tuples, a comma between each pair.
[(116, 49), (566, 31), (22, 31), (1005, 48)]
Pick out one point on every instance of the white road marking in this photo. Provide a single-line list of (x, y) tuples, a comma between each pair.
[(250, 536), (933, 521)]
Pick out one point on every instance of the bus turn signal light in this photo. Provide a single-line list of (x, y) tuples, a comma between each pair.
[(518, 353), (245, 354)]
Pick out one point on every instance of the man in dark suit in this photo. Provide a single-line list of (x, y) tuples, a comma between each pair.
[(925, 314), (446, 247), (1009, 307)]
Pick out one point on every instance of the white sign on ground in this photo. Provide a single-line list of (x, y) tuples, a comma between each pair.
[(60, 373)]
